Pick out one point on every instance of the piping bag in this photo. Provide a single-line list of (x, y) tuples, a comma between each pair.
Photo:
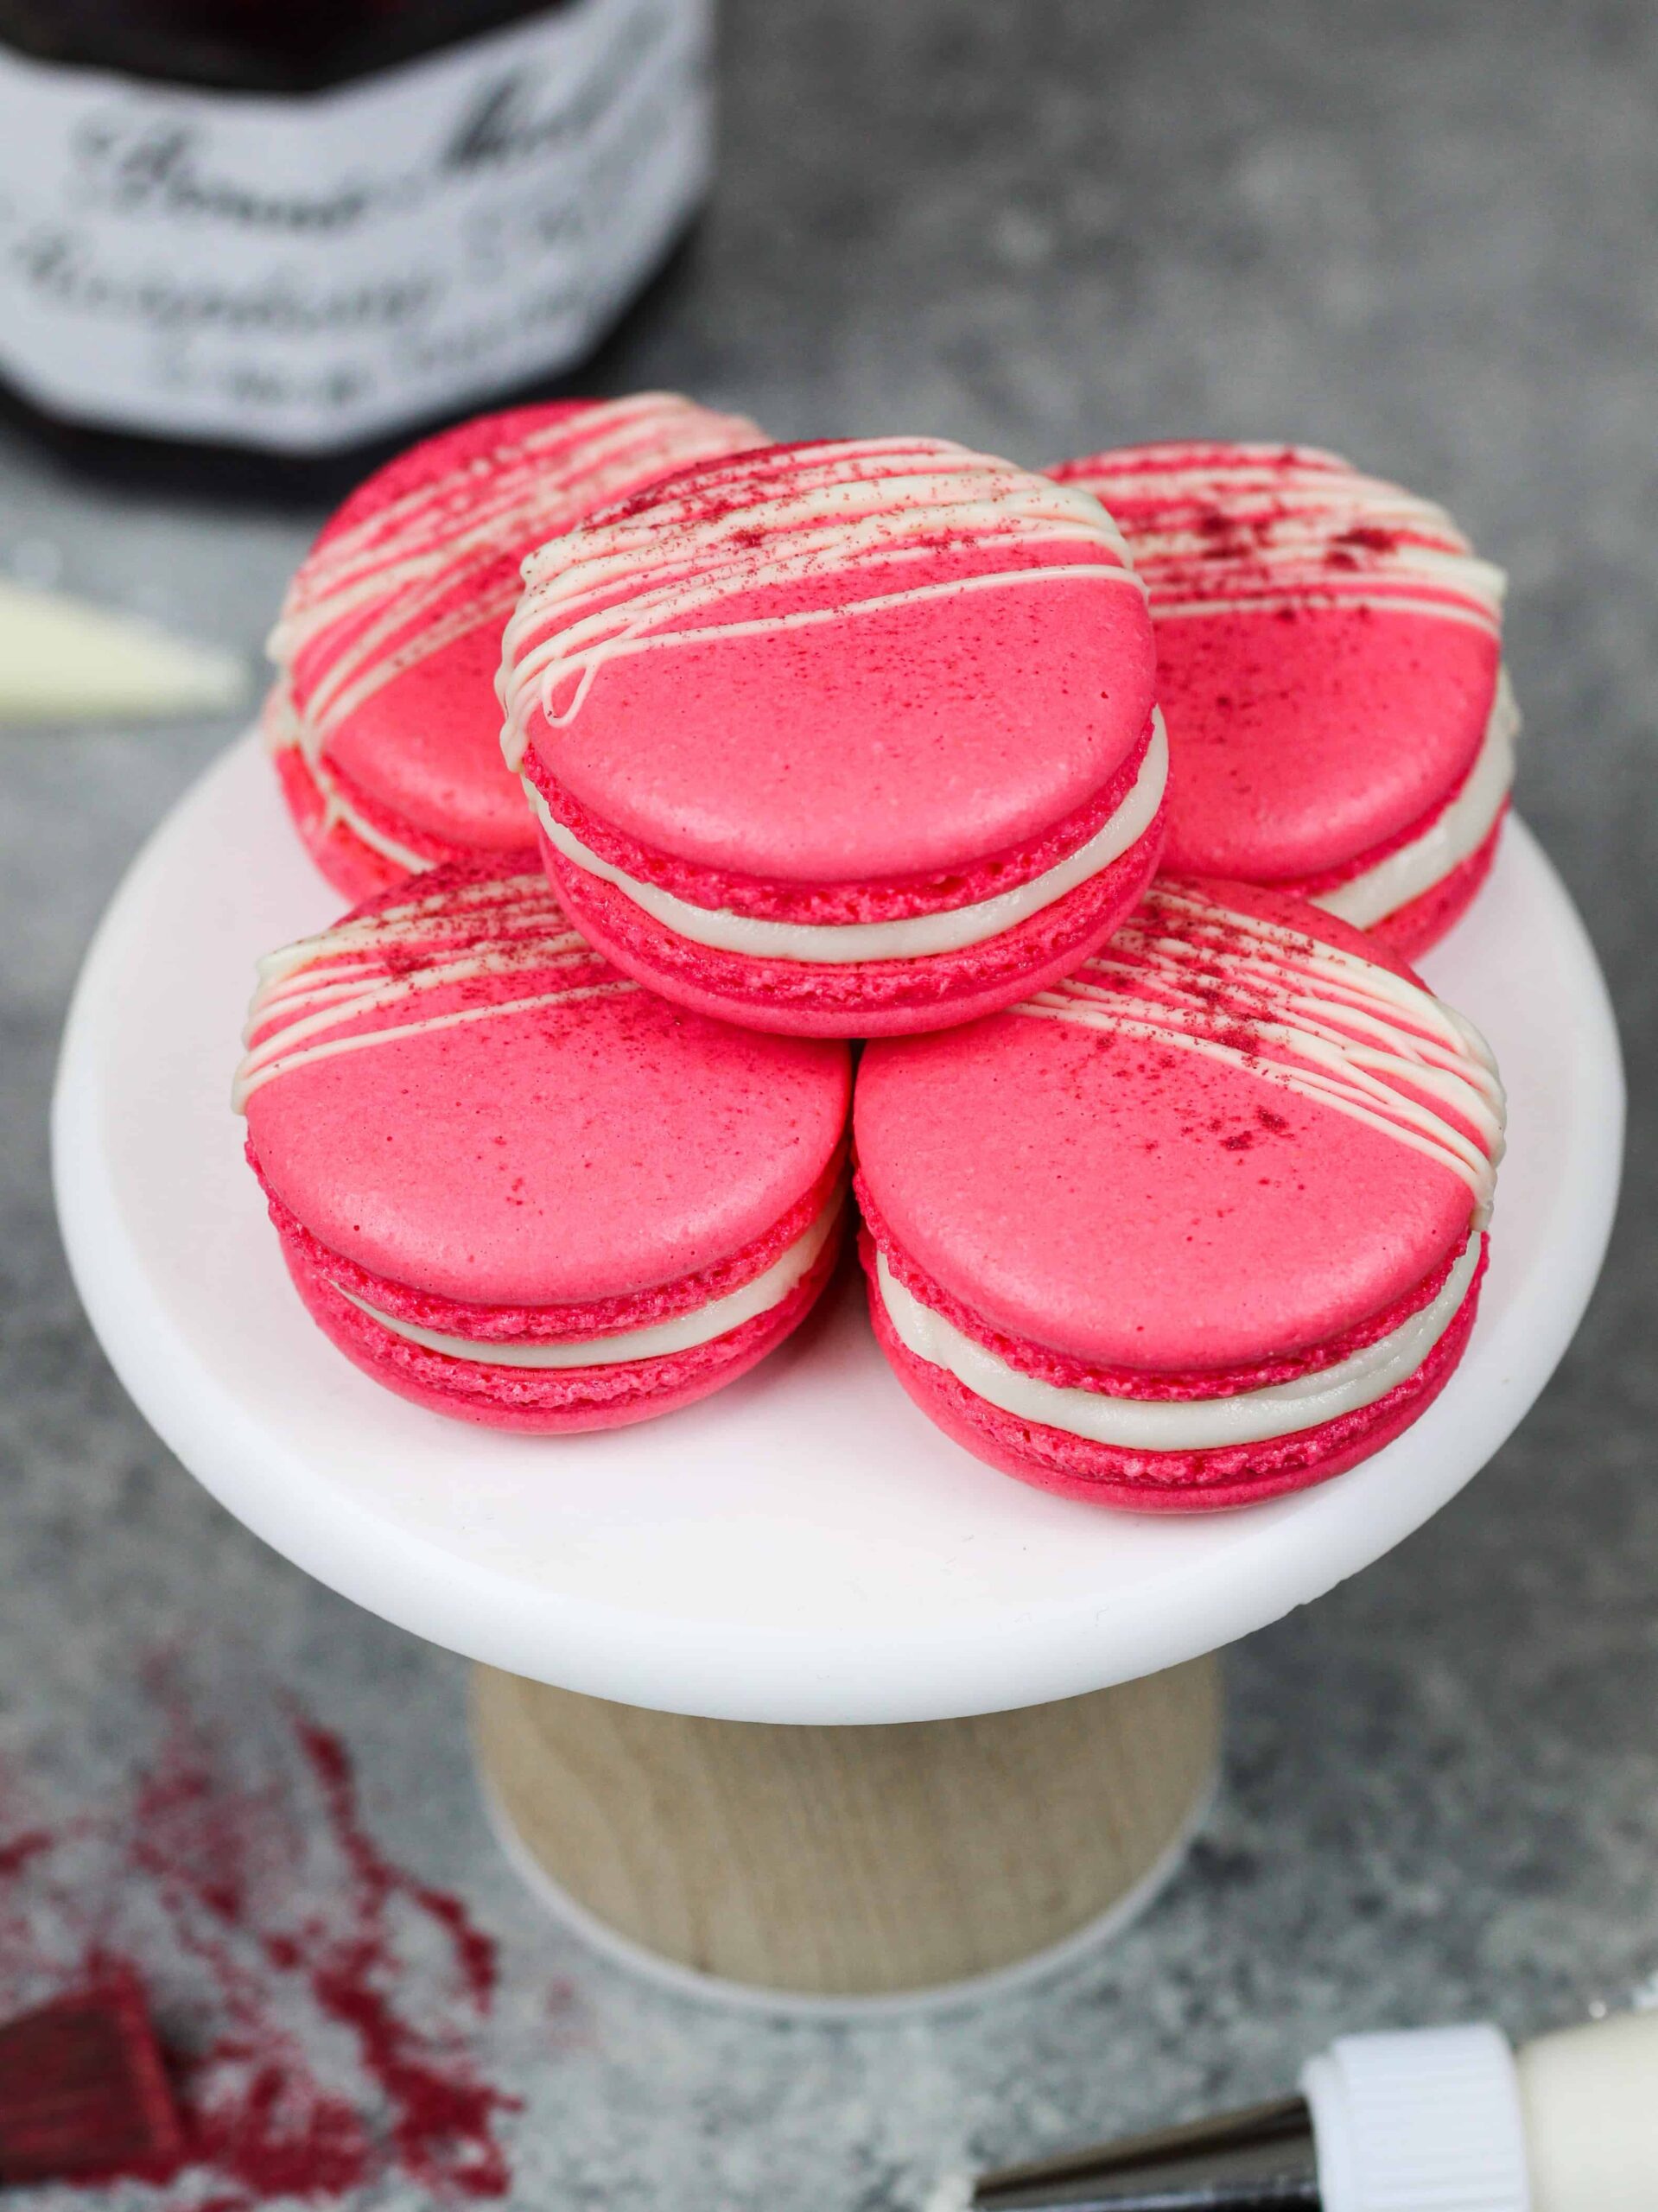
[(63, 660), (1429, 2120)]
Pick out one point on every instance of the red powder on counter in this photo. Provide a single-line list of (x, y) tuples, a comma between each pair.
[(320, 2005)]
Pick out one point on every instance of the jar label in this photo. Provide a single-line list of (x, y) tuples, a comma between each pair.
[(301, 273)]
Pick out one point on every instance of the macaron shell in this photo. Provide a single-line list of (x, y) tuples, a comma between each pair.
[(427, 744), (1268, 904), (859, 999), (513, 1324), (1302, 737), (450, 1090), (422, 743), (1416, 927), (899, 742), (833, 663), (579, 1153), (1145, 1210), (551, 1402), (426, 749), (355, 869), (1329, 658), (722, 890), (462, 445), (1171, 1482), (1224, 1240)]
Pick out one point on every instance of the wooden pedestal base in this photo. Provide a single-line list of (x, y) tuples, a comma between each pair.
[(849, 1862)]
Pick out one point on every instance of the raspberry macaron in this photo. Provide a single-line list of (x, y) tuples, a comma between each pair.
[(846, 739), (1203, 1222), (383, 721), (514, 1187), (1329, 663)]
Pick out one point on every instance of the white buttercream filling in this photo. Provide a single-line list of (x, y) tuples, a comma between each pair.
[(683, 1333), (917, 935), (1188, 1424), (1460, 829), (337, 807), (283, 734)]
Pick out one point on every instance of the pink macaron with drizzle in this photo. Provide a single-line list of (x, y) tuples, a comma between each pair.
[(517, 1189), (848, 739), (1330, 664), (1203, 1222), (383, 721)]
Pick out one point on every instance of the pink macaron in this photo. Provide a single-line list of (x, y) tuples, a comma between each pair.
[(1203, 1222), (383, 721), (514, 1187), (846, 739), (1329, 663)]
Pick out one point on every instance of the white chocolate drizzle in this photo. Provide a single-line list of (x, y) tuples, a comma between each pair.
[(1190, 974), (1214, 528), (817, 516), (312, 995), (414, 573)]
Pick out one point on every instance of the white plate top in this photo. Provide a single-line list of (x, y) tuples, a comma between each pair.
[(804, 1547)]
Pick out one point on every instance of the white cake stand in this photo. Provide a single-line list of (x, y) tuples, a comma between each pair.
[(805, 1551)]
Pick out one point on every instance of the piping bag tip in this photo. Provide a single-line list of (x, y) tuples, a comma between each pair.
[(1261, 2159), (1412, 2118), (951, 2192)]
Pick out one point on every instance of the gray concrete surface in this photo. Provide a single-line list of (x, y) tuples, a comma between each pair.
[(1422, 234)]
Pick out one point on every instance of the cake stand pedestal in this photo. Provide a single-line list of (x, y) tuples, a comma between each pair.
[(850, 1861), (785, 1688)]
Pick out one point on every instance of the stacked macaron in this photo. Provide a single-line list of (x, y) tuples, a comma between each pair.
[(850, 738), (516, 1188), (1225, 1223), (1175, 1186), (382, 721), (1329, 662)]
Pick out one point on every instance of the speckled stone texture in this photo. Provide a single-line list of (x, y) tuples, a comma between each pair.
[(1420, 234)]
